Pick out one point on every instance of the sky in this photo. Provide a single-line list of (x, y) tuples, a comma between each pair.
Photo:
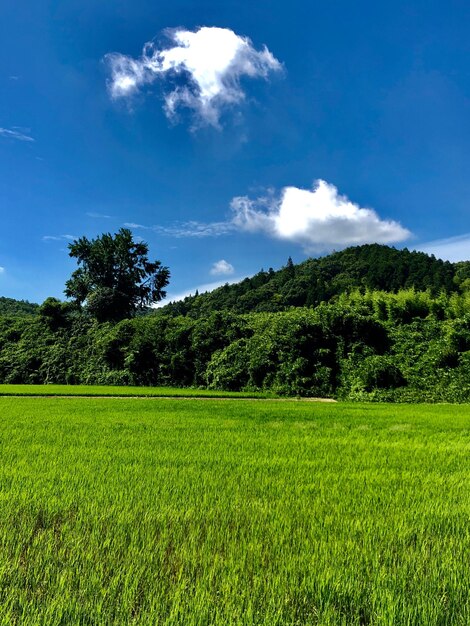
[(230, 135)]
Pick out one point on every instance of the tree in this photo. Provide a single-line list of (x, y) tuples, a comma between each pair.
[(55, 313), (115, 279)]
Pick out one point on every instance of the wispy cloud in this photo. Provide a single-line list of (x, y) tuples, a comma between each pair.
[(192, 228), (317, 219), (134, 225), (14, 133), (222, 268), (59, 238), (181, 295), (202, 70), (2, 270), (196, 229), (450, 249), (98, 215)]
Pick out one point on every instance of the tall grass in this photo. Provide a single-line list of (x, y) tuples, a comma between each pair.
[(233, 513)]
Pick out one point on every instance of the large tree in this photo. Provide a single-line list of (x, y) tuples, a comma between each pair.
[(115, 279)]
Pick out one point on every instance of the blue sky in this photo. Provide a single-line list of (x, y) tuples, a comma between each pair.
[(246, 132)]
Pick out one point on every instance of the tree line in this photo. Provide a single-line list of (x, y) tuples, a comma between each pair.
[(374, 345), (406, 341)]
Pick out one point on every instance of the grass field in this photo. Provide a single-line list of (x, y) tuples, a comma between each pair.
[(233, 513)]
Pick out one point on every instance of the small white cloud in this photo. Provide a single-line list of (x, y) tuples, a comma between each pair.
[(222, 268), (12, 133), (451, 249), (2, 270), (317, 219), (202, 69)]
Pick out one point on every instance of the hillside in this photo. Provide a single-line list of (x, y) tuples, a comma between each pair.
[(9, 306), (370, 266)]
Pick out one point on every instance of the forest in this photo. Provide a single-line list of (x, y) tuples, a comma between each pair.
[(367, 323)]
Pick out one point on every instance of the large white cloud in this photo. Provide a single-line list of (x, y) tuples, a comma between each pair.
[(317, 219), (206, 64)]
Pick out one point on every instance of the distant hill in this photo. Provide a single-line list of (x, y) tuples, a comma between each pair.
[(370, 266), (9, 306)]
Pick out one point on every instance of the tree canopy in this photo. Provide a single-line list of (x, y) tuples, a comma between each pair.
[(115, 279)]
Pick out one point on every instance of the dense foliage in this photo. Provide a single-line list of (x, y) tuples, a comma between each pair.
[(404, 346), (364, 343)]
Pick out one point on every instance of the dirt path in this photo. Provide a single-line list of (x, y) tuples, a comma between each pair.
[(117, 397)]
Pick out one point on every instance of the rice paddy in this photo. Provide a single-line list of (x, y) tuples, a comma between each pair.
[(169, 512)]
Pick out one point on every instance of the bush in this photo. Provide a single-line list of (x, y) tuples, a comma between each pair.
[(379, 372), (227, 370)]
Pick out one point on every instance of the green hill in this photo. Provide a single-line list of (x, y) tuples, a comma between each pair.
[(9, 306), (315, 280)]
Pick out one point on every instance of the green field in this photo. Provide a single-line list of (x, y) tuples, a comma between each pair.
[(124, 511)]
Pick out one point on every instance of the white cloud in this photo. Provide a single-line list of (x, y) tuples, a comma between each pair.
[(223, 268), (203, 70), (452, 249), (317, 219), (12, 133), (2, 270)]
